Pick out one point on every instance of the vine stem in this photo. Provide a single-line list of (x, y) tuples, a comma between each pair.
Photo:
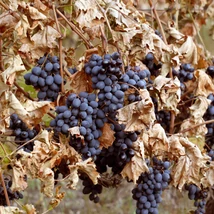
[(4, 187), (1, 58), (60, 46), (195, 126), (76, 30)]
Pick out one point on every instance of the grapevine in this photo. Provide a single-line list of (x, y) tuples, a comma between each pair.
[(95, 95)]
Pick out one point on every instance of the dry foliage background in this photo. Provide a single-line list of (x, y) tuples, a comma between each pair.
[(74, 30)]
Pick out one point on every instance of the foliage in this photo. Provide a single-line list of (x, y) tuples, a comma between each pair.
[(34, 29)]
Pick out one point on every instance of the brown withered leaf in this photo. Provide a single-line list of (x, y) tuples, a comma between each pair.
[(205, 84), (107, 138), (87, 12), (155, 140), (191, 122), (30, 111), (22, 27), (57, 198), (78, 82), (14, 64), (208, 179), (138, 115), (199, 106), (33, 12), (87, 167), (137, 165), (29, 209), (190, 165), (19, 176), (11, 210), (44, 157), (169, 93)]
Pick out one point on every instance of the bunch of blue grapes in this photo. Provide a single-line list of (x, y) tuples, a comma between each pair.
[(209, 138), (199, 195), (153, 67), (81, 111), (134, 78), (184, 74), (22, 132), (119, 153), (150, 185), (105, 73), (90, 188), (72, 70), (162, 117), (210, 70), (11, 195), (46, 78)]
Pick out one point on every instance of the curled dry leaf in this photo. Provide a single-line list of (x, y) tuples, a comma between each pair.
[(190, 165), (107, 138), (11, 210), (155, 140), (29, 208), (30, 111), (208, 179), (87, 167), (57, 198), (87, 12), (137, 165), (199, 107), (19, 182), (169, 93), (138, 115), (191, 122), (79, 82), (205, 84), (14, 64), (44, 157)]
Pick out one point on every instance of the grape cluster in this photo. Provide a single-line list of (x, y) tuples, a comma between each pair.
[(11, 195), (72, 70), (105, 73), (150, 185), (82, 111), (199, 195), (92, 189), (46, 78), (119, 153), (22, 133), (137, 78), (210, 70), (209, 115), (151, 65), (184, 74)]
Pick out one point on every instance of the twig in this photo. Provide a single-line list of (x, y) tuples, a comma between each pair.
[(76, 30), (172, 122), (1, 59), (60, 47), (201, 124), (158, 21), (5, 189)]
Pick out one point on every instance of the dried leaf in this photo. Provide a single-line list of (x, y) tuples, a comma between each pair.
[(169, 93), (107, 138), (11, 210), (205, 85), (138, 115), (190, 164), (208, 179), (57, 198), (137, 165), (29, 208), (14, 64), (79, 82), (19, 177)]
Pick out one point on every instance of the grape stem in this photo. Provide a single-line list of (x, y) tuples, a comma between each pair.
[(60, 46), (195, 126), (5, 189), (76, 30)]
